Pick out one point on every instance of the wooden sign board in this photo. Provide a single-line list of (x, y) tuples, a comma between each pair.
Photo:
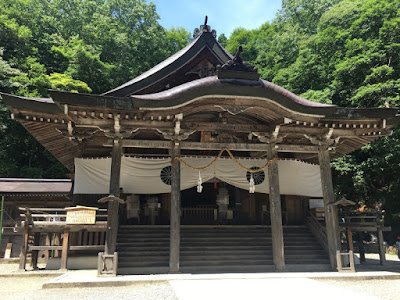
[(81, 215), (316, 203)]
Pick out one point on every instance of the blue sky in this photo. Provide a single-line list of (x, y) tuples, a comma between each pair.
[(223, 15)]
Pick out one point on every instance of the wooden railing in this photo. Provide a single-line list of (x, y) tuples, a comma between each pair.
[(48, 231), (318, 230), (199, 213), (360, 220)]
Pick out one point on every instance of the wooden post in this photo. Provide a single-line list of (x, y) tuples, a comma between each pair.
[(112, 220), (56, 243), (175, 222), (24, 245), (382, 252), (35, 253), (350, 239), (48, 243), (24, 248), (361, 248), (65, 247), (275, 210), (331, 216)]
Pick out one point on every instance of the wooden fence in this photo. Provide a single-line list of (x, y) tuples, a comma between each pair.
[(46, 230)]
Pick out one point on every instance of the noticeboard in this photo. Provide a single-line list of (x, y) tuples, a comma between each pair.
[(81, 215), (316, 203)]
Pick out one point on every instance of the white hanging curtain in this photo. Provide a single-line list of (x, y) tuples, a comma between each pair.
[(152, 176)]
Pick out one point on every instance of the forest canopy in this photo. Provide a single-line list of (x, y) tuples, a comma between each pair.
[(345, 52)]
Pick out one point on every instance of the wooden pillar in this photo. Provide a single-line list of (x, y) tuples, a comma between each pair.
[(381, 247), (349, 234), (24, 245), (275, 211), (112, 220), (35, 254), (331, 215), (175, 222), (24, 248), (65, 247)]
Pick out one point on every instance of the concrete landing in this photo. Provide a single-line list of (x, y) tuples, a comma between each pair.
[(88, 278)]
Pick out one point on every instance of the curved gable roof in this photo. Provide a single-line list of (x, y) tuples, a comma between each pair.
[(172, 65)]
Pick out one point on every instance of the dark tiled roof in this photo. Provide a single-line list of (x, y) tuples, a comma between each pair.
[(42, 186), (207, 82), (171, 65)]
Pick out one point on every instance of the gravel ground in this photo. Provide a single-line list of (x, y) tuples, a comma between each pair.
[(31, 288), (22, 287), (381, 289)]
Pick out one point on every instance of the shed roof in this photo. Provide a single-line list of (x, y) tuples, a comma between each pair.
[(42, 186)]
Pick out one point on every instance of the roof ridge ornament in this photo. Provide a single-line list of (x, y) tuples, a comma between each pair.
[(204, 28), (237, 68)]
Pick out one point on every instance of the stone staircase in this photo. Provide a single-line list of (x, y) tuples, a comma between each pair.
[(303, 253), (216, 249)]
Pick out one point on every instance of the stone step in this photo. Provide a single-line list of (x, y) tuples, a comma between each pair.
[(124, 253), (243, 262), (240, 268), (122, 270), (216, 249), (313, 267), (304, 261), (199, 239), (195, 258)]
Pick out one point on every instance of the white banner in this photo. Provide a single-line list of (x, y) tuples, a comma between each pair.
[(152, 176)]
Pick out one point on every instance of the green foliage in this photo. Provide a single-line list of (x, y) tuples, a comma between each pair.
[(345, 52), (65, 82), (75, 45), (223, 40), (177, 38)]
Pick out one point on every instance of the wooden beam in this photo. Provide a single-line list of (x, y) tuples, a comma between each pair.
[(214, 126), (214, 146), (109, 123), (175, 221), (331, 216), (275, 210)]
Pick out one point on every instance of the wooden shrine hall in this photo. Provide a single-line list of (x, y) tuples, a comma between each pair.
[(198, 151)]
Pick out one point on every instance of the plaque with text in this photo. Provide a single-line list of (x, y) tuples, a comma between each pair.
[(81, 215)]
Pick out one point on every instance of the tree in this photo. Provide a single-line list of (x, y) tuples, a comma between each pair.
[(75, 45)]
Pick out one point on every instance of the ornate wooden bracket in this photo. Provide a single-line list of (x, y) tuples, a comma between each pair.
[(325, 140), (77, 135), (270, 137), (118, 131), (177, 134)]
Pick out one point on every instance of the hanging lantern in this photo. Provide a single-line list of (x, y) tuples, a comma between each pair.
[(199, 182)]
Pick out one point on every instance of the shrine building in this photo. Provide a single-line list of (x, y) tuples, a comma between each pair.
[(208, 166)]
